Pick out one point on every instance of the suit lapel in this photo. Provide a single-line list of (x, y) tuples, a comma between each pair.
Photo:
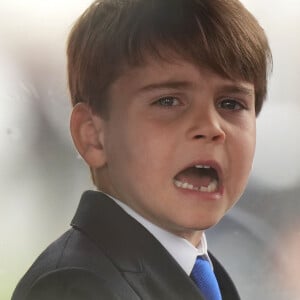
[(145, 264), (147, 267), (227, 287)]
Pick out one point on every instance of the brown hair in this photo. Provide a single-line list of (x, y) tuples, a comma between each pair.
[(111, 34), (219, 34)]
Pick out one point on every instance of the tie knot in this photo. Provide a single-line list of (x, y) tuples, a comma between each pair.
[(205, 279)]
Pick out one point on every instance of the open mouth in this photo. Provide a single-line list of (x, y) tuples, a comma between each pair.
[(203, 178)]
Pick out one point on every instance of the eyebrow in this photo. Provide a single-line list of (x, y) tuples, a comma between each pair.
[(233, 88), (168, 84), (237, 89)]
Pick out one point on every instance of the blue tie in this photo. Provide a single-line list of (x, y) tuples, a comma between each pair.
[(204, 277)]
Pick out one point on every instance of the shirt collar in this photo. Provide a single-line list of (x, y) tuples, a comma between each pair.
[(180, 249)]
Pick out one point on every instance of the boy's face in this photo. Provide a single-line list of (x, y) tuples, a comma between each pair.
[(179, 143)]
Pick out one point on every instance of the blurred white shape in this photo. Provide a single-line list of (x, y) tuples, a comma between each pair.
[(277, 161), (35, 33), (17, 119)]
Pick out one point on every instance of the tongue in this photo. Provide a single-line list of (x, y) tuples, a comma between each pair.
[(194, 176)]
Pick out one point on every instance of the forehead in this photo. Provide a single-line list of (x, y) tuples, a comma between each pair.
[(173, 72)]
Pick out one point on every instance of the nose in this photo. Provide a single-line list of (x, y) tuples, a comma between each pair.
[(207, 126)]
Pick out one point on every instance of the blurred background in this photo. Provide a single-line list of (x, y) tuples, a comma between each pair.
[(42, 177)]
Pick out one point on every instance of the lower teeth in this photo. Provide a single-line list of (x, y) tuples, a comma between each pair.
[(212, 187)]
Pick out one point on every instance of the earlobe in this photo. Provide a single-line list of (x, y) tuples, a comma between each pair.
[(87, 133)]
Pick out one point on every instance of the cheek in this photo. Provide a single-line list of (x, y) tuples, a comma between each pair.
[(246, 139), (127, 148), (241, 156), (251, 142), (245, 155)]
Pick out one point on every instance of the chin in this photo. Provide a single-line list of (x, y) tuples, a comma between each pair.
[(198, 224), (206, 222)]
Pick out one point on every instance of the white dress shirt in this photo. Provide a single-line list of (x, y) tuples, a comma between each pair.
[(180, 249)]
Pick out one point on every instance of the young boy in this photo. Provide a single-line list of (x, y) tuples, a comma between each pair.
[(165, 95)]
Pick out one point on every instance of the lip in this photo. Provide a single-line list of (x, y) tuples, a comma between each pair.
[(213, 164)]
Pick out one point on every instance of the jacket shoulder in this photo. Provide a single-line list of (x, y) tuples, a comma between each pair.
[(72, 267), (70, 284)]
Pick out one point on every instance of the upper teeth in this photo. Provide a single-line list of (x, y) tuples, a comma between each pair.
[(202, 167)]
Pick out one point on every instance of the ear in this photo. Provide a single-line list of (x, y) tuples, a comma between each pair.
[(87, 133)]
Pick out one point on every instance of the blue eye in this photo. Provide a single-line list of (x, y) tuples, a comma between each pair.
[(231, 104), (167, 101)]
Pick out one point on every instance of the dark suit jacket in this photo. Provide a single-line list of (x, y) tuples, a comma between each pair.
[(109, 255)]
